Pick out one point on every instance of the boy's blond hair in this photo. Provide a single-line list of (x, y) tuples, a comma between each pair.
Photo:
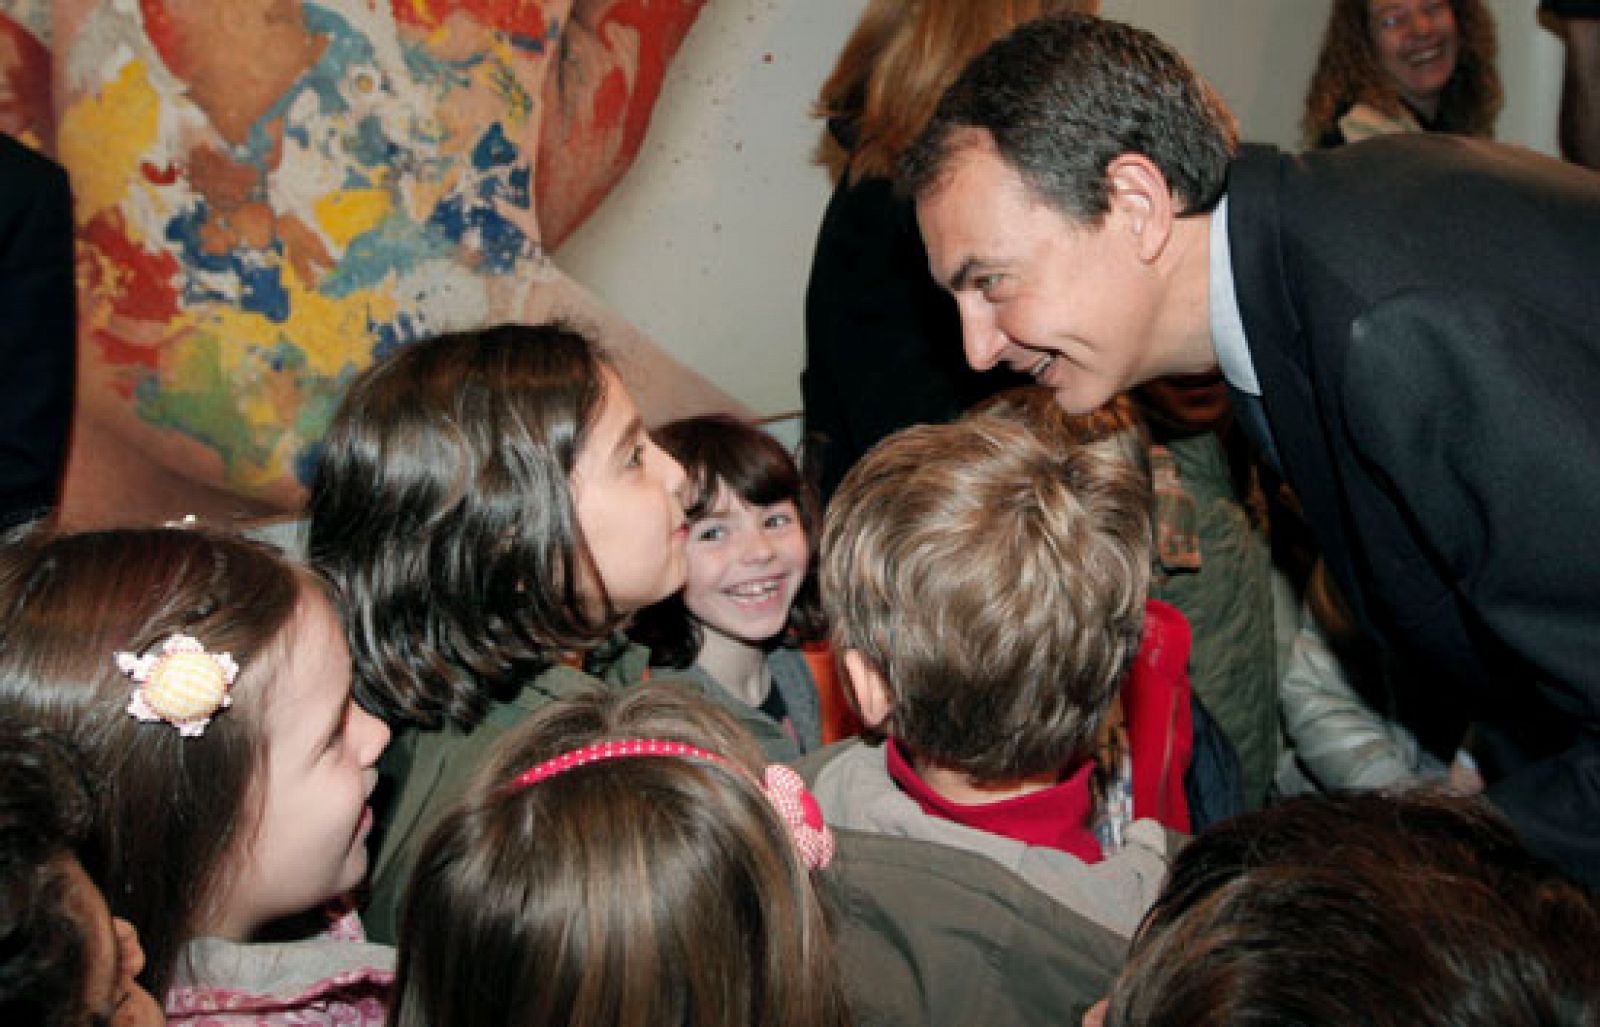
[(998, 584), (1115, 428)]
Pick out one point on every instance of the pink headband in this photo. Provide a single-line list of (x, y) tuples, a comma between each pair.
[(783, 787)]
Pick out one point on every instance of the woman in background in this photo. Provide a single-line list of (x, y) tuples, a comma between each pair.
[(1403, 66)]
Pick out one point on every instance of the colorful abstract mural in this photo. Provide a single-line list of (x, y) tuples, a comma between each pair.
[(270, 194)]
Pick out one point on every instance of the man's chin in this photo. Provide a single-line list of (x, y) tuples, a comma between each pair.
[(1077, 401)]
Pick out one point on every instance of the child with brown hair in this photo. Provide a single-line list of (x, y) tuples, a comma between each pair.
[(750, 596), (492, 511), (987, 594), (622, 857), (205, 683)]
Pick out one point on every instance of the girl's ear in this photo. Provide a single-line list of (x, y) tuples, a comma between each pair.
[(865, 682)]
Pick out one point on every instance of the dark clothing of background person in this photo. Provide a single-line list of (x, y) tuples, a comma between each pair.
[(37, 329), (1579, 23), (1433, 392), (883, 340)]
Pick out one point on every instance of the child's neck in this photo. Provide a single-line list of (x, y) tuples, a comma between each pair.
[(736, 665), (956, 786)]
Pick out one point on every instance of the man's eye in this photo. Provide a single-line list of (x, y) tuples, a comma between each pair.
[(636, 456), (988, 285), (711, 533)]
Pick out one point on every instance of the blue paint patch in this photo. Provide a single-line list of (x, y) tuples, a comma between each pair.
[(502, 242), (371, 146), (346, 47), (257, 275), (427, 67), (493, 149), (449, 218), (394, 246), (263, 292), (391, 335), (527, 43), (499, 242), (183, 230)]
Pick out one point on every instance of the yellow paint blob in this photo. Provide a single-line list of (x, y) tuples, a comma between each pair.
[(103, 137), (346, 214)]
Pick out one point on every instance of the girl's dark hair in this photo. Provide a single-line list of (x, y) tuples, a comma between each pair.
[(442, 511), (1347, 73), (45, 813), (624, 892), (716, 451), (169, 811)]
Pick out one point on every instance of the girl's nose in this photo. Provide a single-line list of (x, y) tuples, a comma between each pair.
[(374, 734), (671, 474), (758, 550)]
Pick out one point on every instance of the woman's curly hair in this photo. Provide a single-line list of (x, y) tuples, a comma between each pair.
[(1348, 73)]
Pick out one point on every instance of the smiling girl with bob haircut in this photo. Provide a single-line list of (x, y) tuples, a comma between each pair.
[(750, 598)]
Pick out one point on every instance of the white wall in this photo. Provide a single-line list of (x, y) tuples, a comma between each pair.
[(707, 242)]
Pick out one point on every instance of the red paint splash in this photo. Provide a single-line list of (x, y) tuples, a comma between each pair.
[(661, 28), (524, 17), (141, 288)]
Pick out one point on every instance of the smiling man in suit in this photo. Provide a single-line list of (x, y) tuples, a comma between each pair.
[(1409, 326)]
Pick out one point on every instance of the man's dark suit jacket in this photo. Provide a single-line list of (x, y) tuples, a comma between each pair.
[(37, 329), (1423, 313)]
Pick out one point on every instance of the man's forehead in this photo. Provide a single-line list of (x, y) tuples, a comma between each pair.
[(970, 153)]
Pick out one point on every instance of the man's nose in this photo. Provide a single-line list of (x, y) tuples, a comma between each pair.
[(982, 340)]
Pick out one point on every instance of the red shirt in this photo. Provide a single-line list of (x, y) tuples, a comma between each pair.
[(1056, 817), (1155, 698)]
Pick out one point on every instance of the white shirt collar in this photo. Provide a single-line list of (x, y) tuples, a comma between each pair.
[(1227, 324)]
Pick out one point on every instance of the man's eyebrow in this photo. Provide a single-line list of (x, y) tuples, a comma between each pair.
[(958, 281)]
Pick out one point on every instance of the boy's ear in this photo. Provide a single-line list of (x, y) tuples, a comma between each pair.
[(868, 686)]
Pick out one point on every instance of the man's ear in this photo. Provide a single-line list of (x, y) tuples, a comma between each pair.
[(873, 700), (1142, 201)]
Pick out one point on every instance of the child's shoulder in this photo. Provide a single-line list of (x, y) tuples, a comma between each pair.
[(330, 978), (615, 663), (909, 909), (852, 785)]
